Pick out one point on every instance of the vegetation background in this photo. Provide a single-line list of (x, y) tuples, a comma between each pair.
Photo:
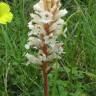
[(76, 73)]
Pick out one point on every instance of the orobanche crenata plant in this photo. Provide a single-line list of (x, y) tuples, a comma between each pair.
[(46, 26)]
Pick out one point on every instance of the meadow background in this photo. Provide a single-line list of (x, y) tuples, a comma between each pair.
[(76, 73)]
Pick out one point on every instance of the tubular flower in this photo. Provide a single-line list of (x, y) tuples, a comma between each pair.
[(45, 26), (5, 14)]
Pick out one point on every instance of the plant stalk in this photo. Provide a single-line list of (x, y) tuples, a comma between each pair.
[(45, 78)]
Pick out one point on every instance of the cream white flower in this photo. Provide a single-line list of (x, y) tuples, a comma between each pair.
[(63, 12), (32, 41), (39, 6), (35, 18), (27, 46), (30, 25), (50, 41), (42, 58), (46, 17), (57, 48), (36, 30), (53, 56), (43, 17), (30, 33), (57, 26), (32, 59)]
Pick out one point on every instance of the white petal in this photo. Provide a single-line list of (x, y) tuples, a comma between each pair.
[(33, 41), (27, 46), (63, 12), (30, 25), (30, 33), (39, 6), (43, 58), (32, 59), (46, 17)]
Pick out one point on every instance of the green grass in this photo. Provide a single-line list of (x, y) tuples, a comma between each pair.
[(76, 73)]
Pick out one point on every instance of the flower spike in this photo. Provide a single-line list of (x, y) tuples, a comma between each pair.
[(45, 27)]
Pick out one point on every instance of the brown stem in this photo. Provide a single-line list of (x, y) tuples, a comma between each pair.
[(45, 77), (44, 49), (44, 69)]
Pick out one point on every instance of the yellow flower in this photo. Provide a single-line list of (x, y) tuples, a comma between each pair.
[(5, 14)]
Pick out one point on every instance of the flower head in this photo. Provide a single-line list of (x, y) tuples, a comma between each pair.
[(46, 17), (5, 14), (45, 27)]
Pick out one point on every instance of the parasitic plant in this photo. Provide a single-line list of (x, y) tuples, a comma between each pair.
[(45, 27)]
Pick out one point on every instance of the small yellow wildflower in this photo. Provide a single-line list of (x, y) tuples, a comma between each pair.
[(5, 14)]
